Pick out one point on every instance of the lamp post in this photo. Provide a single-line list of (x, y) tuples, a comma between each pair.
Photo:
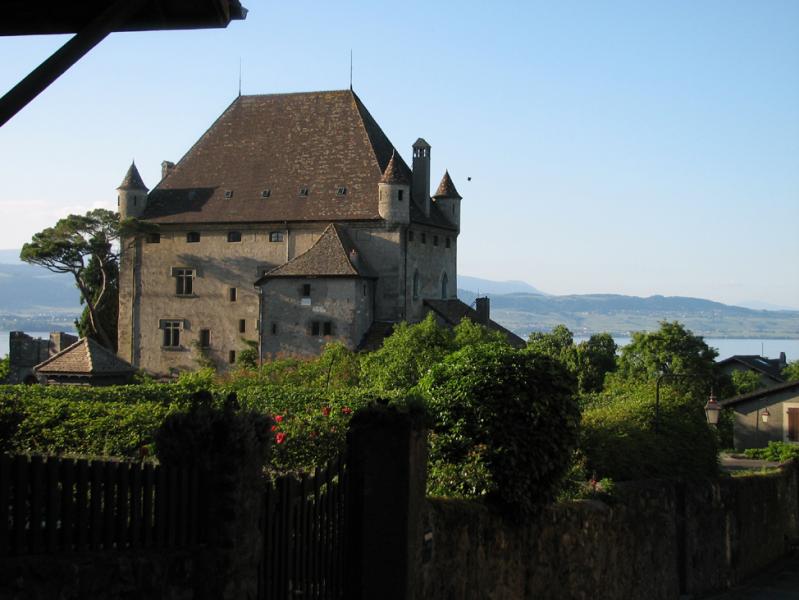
[(712, 410)]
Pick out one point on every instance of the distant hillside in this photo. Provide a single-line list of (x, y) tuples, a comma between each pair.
[(619, 315), (486, 286), (27, 289)]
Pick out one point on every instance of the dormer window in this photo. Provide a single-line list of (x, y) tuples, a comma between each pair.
[(266, 193), (304, 191), (341, 191), (228, 194)]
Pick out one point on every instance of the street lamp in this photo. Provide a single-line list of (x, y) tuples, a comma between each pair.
[(712, 410), (765, 415)]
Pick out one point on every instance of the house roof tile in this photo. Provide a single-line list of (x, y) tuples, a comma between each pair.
[(281, 142), (332, 255), (454, 310), (446, 189), (84, 357), (132, 180)]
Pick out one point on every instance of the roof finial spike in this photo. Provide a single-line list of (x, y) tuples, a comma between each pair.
[(239, 76), (350, 69)]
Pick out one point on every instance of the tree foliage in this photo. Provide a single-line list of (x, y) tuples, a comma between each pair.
[(83, 246), (791, 371), (505, 425), (4, 368), (745, 381), (670, 349)]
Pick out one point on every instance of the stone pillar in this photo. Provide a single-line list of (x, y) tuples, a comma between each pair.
[(387, 466)]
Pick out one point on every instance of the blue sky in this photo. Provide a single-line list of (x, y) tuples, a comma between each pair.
[(615, 147)]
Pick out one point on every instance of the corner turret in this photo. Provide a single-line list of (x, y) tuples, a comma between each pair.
[(394, 193), (132, 198), (421, 175), (448, 200)]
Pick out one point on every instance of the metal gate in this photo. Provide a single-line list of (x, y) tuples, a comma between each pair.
[(303, 531)]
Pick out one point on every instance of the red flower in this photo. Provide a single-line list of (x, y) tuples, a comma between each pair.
[(278, 418), (273, 428), (280, 438), (345, 410), (326, 411)]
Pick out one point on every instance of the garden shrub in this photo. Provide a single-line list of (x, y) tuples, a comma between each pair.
[(505, 425), (210, 437), (619, 440), (775, 451)]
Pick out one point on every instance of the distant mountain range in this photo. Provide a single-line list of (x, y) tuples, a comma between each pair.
[(30, 292), (585, 314)]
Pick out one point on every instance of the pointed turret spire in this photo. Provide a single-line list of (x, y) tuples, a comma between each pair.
[(394, 173), (446, 189), (132, 180)]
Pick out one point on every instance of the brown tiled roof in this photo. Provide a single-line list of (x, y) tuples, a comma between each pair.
[(281, 143), (332, 255), (446, 189), (453, 311), (133, 180), (84, 357), (395, 174), (373, 339), (788, 386)]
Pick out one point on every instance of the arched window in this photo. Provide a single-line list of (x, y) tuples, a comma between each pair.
[(416, 284), (444, 284)]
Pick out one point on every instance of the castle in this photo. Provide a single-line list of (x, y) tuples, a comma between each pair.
[(291, 222)]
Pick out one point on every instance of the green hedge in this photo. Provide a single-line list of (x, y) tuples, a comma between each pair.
[(776, 451), (310, 425), (505, 425), (619, 440)]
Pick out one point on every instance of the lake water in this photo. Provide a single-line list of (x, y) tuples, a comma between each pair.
[(730, 346), (726, 346)]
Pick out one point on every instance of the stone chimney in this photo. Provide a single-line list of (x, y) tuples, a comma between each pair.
[(483, 308), (783, 360), (166, 168), (420, 189)]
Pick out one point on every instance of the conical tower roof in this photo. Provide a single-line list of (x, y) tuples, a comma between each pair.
[(446, 189), (133, 180), (394, 173)]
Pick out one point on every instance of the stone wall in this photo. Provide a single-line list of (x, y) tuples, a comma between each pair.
[(99, 576), (658, 540)]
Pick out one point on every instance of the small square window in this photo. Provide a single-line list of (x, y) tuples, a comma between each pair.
[(424, 238), (435, 240), (410, 235), (304, 191), (231, 357), (232, 294), (275, 236), (266, 193), (447, 242), (153, 238), (327, 328), (341, 191), (205, 338), (315, 328), (193, 237), (234, 236), (242, 325), (306, 290), (228, 194)]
